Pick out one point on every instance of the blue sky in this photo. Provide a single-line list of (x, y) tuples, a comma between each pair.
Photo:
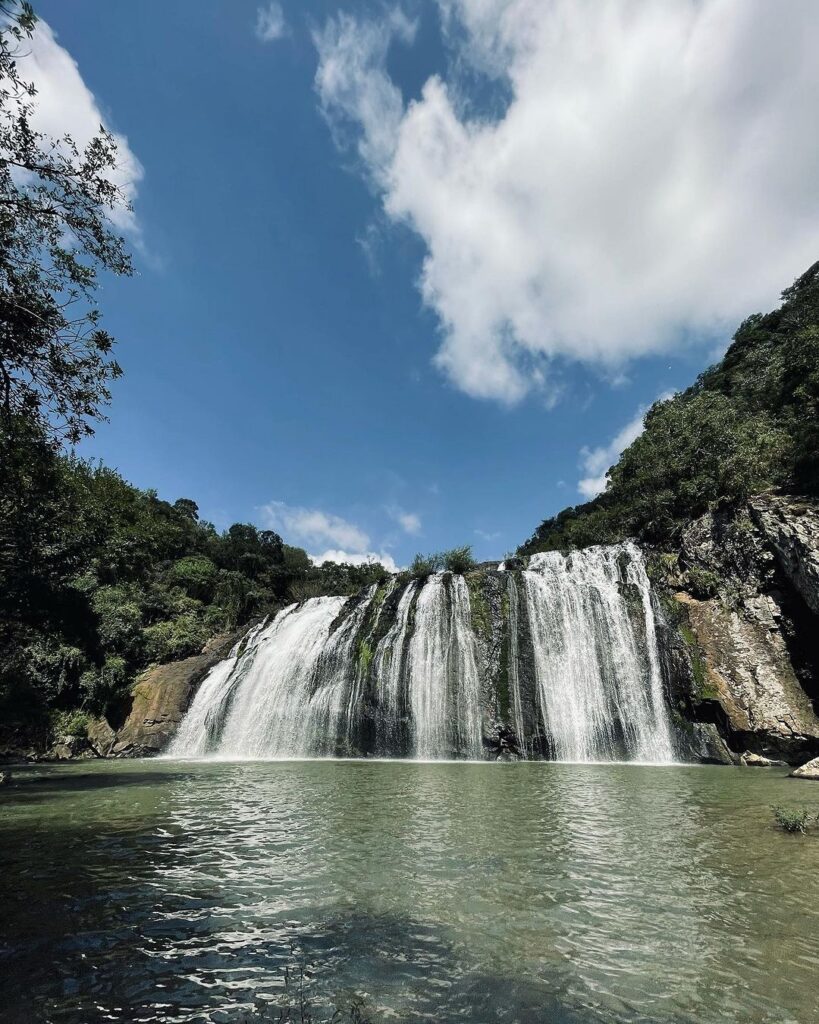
[(408, 275)]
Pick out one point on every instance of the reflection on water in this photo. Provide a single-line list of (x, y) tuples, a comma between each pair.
[(168, 891)]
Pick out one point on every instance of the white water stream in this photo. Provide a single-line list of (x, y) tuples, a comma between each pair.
[(326, 679)]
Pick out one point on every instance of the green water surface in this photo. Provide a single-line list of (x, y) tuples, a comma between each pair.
[(181, 891)]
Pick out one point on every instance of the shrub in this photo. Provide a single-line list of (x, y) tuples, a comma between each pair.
[(69, 723), (99, 685), (305, 589), (458, 560), (791, 820), (703, 582), (197, 576), (237, 598), (119, 619), (179, 638), (54, 667), (423, 566)]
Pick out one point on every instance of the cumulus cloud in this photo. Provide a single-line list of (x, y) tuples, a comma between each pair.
[(354, 87), (313, 526), (357, 558), (410, 522), (270, 23), (652, 177), (65, 105)]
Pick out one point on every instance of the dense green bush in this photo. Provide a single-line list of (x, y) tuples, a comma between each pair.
[(69, 723), (458, 560), (424, 566), (749, 423), (197, 575), (179, 638)]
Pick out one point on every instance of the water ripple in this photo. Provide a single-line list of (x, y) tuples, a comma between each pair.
[(446, 892)]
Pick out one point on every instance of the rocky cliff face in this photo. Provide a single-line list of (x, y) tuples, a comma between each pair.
[(161, 697), (748, 588), (790, 528)]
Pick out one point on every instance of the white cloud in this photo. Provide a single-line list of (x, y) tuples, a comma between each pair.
[(653, 175), (357, 558), (65, 105), (353, 84), (410, 522), (270, 23), (314, 526), (487, 536)]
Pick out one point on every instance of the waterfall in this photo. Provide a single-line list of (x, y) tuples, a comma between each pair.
[(388, 671), (443, 672), (203, 722), (411, 669), (599, 684), (513, 664), (266, 703)]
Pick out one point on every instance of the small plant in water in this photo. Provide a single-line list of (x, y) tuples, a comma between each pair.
[(294, 1006), (791, 820)]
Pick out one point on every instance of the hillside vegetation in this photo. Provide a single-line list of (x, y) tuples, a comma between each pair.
[(100, 579), (749, 423)]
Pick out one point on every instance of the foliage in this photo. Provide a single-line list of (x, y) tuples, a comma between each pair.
[(424, 566), (703, 583), (481, 613), (69, 723), (458, 560), (365, 656), (56, 234), (98, 579), (196, 574), (791, 820), (749, 423), (178, 638)]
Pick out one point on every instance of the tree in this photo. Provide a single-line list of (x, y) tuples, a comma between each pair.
[(56, 235)]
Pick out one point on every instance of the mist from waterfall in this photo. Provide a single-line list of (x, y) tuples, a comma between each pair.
[(560, 658)]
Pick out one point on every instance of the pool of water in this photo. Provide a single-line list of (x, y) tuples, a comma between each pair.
[(185, 891)]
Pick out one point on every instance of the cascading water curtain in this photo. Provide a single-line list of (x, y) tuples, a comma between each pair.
[(599, 683), (398, 671)]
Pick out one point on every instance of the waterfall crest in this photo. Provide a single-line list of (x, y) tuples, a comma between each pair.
[(557, 660)]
